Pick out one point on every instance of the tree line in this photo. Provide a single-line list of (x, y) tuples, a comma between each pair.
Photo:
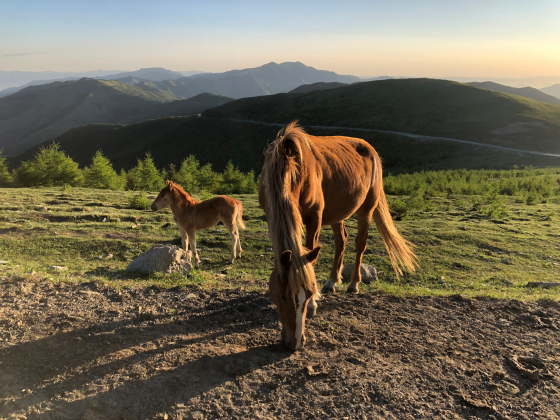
[(52, 167)]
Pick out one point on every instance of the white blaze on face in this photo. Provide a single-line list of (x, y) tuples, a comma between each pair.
[(300, 301)]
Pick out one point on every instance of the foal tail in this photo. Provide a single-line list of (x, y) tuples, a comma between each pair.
[(239, 217), (399, 249)]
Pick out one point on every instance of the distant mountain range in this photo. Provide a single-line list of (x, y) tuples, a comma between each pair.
[(527, 92), (553, 90), (39, 113)]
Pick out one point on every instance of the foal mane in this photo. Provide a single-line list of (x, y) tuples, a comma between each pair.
[(172, 186), (281, 173)]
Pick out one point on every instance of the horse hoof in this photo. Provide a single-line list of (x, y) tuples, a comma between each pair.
[(353, 290), (311, 312), (231, 261), (326, 290)]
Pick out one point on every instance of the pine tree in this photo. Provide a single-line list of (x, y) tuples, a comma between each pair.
[(208, 179), (5, 177), (145, 176), (189, 174), (49, 167), (100, 174)]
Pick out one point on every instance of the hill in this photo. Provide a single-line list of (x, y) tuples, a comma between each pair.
[(420, 106), (155, 74), (264, 80), (179, 108), (527, 92), (170, 140), (317, 86), (39, 113), (553, 90)]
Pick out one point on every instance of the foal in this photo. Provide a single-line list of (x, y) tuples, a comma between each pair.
[(192, 215)]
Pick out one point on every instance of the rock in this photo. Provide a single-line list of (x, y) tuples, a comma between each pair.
[(368, 272), (99, 257), (43, 209), (505, 261), (163, 259), (3, 262), (268, 250), (108, 256), (58, 268)]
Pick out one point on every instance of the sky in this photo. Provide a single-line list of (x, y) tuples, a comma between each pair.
[(423, 38)]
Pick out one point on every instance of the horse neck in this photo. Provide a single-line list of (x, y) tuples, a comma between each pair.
[(182, 201)]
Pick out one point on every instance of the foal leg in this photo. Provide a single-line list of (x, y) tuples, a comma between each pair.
[(340, 238), (184, 239), (192, 243), (313, 230), (364, 220)]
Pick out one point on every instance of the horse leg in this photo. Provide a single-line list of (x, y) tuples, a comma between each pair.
[(312, 230), (234, 238), (340, 238), (364, 220), (192, 243), (184, 239)]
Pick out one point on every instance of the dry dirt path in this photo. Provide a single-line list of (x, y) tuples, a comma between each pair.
[(91, 352), (411, 135)]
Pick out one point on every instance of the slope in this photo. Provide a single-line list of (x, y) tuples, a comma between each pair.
[(39, 113), (527, 92), (421, 106), (553, 90), (317, 86)]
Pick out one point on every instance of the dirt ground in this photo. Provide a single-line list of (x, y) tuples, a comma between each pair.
[(92, 352)]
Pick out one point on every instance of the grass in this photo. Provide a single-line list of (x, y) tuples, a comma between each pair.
[(475, 255)]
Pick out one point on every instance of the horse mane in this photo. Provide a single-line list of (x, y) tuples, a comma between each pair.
[(281, 173), (179, 189)]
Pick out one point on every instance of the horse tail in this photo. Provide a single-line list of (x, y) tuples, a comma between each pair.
[(399, 249), (239, 217)]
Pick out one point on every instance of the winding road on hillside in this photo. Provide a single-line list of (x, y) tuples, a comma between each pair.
[(414, 136)]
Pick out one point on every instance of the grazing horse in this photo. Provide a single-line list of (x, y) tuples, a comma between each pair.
[(192, 215), (316, 181)]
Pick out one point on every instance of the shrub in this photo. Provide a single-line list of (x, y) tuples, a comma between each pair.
[(189, 174), (139, 202), (145, 176)]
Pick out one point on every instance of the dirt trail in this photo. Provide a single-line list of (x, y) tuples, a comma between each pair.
[(87, 351)]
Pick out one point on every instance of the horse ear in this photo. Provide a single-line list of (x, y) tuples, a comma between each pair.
[(286, 258), (313, 254), (169, 183)]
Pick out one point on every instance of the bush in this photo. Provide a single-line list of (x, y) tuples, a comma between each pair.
[(49, 167), (100, 174), (189, 174), (139, 202)]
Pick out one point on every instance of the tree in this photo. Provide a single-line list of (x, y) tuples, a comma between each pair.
[(189, 174), (145, 176), (208, 179), (5, 177), (233, 180), (49, 167), (100, 174)]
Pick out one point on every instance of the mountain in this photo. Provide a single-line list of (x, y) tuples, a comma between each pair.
[(19, 78), (180, 108), (154, 74), (553, 90), (420, 106), (12, 90), (527, 92), (317, 86), (265, 80), (39, 113)]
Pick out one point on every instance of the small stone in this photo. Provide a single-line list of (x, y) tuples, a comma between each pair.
[(368, 273), (3, 262), (99, 257), (268, 250), (505, 261), (191, 296), (108, 256), (43, 209), (58, 268), (163, 259)]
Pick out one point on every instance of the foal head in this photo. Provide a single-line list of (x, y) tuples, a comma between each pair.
[(292, 284), (165, 197)]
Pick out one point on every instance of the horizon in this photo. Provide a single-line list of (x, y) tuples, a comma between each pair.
[(435, 39)]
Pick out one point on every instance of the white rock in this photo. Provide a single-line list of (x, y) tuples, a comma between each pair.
[(368, 272), (58, 268), (162, 258)]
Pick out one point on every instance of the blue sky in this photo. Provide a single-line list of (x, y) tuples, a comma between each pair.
[(414, 38)]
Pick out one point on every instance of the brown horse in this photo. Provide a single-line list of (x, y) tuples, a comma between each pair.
[(316, 181), (192, 215)]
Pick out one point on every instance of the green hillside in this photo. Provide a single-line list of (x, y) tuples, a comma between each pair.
[(170, 140), (39, 113), (527, 92), (422, 106), (317, 86)]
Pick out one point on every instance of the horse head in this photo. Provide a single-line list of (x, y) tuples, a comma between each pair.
[(165, 197), (292, 284)]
